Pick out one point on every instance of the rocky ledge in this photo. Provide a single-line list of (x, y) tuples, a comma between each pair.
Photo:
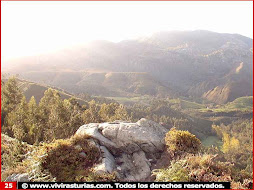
[(128, 149)]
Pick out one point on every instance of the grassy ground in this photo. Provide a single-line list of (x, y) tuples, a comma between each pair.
[(240, 104), (186, 104), (191, 105), (130, 100), (212, 140)]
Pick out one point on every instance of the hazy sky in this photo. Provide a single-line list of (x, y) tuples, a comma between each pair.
[(30, 28)]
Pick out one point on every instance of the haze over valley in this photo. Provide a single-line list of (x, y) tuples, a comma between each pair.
[(127, 91), (199, 64)]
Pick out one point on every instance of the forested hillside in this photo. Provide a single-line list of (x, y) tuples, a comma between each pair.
[(219, 150)]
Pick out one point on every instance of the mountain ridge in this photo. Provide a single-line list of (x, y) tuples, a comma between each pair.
[(195, 62)]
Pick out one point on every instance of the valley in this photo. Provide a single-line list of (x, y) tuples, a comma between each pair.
[(136, 110), (199, 64)]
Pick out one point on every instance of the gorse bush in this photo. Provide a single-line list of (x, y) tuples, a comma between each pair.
[(182, 141), (66, 159), (193, 167), (205, 168), (62, 160), (69, 160)]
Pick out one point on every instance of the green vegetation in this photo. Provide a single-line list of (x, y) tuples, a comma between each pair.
[(56, 118), (174, 173), (186, 104), (182, 141), (67, 157), (131, 100), (212, 140), (13, 152), (31, 89), (242, 103), (200, 168), (53, 118), (102, 83), (211, 165), (40, 135), (195, 168), (62, 160), (237, 143)]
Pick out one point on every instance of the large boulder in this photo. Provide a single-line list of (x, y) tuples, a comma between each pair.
[(128, 148), (107, 163), (133, 167), (127, 137)]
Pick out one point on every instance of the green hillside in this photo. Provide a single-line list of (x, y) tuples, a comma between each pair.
[(100, 83), (242, 103), (37, 90)]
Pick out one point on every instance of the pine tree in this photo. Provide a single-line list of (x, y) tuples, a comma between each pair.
[(10, 98), (107, 111), (17, 121), (34, 127), (91, 115), (11, 95), (121, 113), (53, 115), (74, 114)]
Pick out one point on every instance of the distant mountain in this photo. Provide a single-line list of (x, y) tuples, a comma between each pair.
[(203, 64), (102, 84)]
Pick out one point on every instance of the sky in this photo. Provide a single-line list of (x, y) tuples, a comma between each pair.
[(30, 28)]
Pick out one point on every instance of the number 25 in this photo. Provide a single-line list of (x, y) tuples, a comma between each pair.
[(8, 185)]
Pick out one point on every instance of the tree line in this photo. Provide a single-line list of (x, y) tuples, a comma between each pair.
[(57, 118)]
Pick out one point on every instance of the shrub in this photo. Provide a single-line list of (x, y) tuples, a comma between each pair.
[(202, 168), (64, 161), (205, 168), (195, 168), (13, 152), (174, 173), (182, 141)]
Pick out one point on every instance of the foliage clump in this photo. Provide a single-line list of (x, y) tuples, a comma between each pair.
[(174, 173), (182, 141), (199, 168), (63, 160), (13, 152), (66, 159), (198, 164), (237, 144)]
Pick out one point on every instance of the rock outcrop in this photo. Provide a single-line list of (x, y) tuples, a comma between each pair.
[(128, 149), (18, 178)]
